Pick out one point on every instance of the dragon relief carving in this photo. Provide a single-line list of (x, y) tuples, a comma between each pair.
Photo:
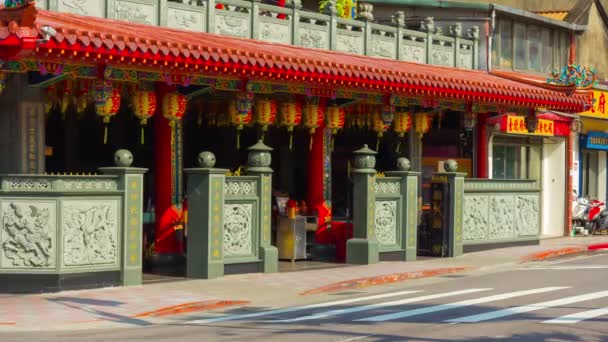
[(386, 222), (313, 38), (27, 234), (231, 26), (89, 234)]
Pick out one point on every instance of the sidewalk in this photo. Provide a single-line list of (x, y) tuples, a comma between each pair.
[(163, 302)]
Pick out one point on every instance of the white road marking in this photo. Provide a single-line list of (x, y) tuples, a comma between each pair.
[(566, 268), (561, 261), (356, 338), (528, 308), (298, 308), (377, 306), (577, 317), (456, 305)]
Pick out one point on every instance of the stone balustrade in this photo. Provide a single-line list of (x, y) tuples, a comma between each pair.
[(292, 25)]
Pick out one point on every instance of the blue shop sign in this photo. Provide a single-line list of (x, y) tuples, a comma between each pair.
[(595, 141)]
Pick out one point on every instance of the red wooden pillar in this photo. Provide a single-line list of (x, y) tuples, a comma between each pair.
[(316, 176), (164, 180), (482, 145)]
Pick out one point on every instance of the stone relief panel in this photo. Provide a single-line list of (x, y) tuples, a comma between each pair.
[(350, 43), (413, 53), (387, 187), (502, 218), (185, 20), (313, 38), (526, 215), (89, 184), (28, 184), (28, 234), (94, 8), (382, 48), (386, 222), (231, 25), (442, 57), (475, 218), (135, 12), (239, 188), (90, 233), (274, 32), (238, 229), (465, 60)]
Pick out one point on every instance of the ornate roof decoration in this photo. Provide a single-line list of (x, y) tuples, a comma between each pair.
[(574, 75)]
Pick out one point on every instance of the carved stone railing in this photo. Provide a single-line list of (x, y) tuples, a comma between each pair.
[(500, 211), (291, 25), (87, 227), (229, 221)]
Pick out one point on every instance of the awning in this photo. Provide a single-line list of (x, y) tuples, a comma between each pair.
[(113, 42)]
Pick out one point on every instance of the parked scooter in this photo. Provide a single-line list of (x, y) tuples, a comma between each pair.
[(598, 218), (580, 208)]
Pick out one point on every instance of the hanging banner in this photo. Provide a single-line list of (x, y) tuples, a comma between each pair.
[(517, 125), (599, 108)]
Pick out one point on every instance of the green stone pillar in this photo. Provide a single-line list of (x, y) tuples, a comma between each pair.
[(409, 207), (205, 193), (131, 184), (258, 164), (455, 182), (363, 247)]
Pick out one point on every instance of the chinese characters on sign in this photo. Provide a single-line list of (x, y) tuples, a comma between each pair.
[(134, 222), (595, 141), (517, 125), (599, 109)]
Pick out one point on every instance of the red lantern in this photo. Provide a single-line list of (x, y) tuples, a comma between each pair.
[(266, 114), (107, 104), (174, 107), (313, 118), (335, 120), (291, 116), (401, 125), (144, 107), (238, 120)]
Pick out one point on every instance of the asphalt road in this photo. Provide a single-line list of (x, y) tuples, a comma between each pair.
[(564, 300)]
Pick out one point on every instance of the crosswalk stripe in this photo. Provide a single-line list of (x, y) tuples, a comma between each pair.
[(443, 307), (577, 317), (528, 308), (299, 308), (377, 306)]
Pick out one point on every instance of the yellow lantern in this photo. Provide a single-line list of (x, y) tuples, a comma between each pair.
[(313, 118), (290, 117), (423, 123), (107, 104), (144, 107), (66, 99), (401, 125), (335, 120), (266, 114), (238, 120)]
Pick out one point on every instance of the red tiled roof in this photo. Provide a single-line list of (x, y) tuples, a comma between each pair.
[(120, 38)]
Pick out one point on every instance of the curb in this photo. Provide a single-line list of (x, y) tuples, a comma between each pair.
[(383, 279), (553, 253), (597, 246)]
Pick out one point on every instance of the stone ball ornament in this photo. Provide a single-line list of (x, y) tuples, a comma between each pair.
[(123, 158), (206, 159), (364, 158), (450, 165), (259, 155), (403, 164)]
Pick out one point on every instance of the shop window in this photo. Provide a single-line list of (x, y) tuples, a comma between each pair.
[(547, 48), (520, 46), (534, 48), (516, 159), (506, 44), (589, 173)]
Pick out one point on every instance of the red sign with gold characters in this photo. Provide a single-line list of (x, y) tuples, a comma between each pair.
[(517, 125)]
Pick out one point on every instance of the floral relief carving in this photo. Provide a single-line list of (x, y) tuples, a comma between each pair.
[(313, 38), (28, 234), (186, 20), (133, 12), (238, 229), (383, 48), (475, 218), (440, 57), (413, 53), (501, 217), (89, 233), (239, 188), (273, 32), (386, 187), (526, 217), (386, 222), (348, 43)]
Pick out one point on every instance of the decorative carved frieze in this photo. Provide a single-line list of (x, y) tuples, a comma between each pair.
[(239, 188), (274, 32), (386, 222), (526, 217), (232, 25), (238, 229), (475, 218)]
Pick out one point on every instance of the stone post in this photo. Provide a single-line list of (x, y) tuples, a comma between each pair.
[(428, 25), (398, 19), (456, 32), (474, 34), (330, 10), (363, 247), (409, 209), (205, 193), (295, 22), (455, 182), (131, 184), (258, 164)]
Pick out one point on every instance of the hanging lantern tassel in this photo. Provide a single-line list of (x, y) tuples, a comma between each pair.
[(174, 109), (402, 125), (107, 104), (313, 118), (290, 117), (144, 107), (335, 121), (266, 114), (238, 120), (380, 126)]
